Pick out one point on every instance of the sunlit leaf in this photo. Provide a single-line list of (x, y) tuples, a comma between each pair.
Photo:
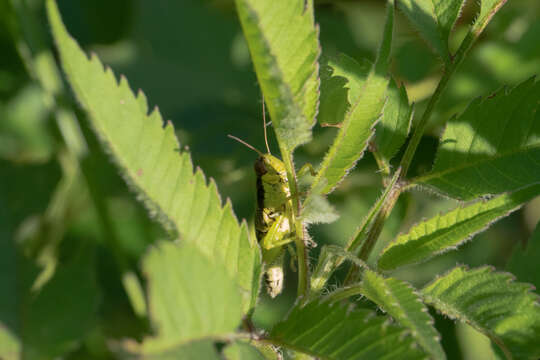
[(493, 147), (400, 300), (504, 310), (284, 46), (336, 331), (446, 232), (367, 96)]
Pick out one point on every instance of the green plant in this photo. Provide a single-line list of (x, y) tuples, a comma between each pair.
[(203, 287)]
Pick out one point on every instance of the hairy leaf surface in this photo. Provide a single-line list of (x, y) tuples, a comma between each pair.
[(434, 19), (393, 129), (367, 97), (151, 160), (493, 147), (335, 331), (190, 298), (400, 300), (504, 310), (284, 46), (446, 232)]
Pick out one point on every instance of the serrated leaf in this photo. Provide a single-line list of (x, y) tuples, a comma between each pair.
[(400, 300), (504, 310), (190, 298), (284, 46), (493, 147), (367, 97), (434, 19), (446, 232), (524, 262), (393, 129), (488, 8), (335, 331), (150, 159)]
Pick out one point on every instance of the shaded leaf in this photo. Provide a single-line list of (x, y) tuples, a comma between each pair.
[(335, 331), (488, 8), (284, 46), (151, 161), (493, 147), (190, 298), (446, 232), (504, 310), (393, 129), (434, 19), (366, 96), (400, 300), (524, 262)]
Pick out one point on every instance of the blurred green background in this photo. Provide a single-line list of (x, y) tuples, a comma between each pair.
[(70, 227)]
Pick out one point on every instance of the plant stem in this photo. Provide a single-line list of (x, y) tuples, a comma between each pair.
[(303, 266), (343, 293), (422, 124)]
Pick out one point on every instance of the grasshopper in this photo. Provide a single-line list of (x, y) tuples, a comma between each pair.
[(274, 213)]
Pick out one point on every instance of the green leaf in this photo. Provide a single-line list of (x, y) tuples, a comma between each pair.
[(400, 300), (446, 232), (336, 331), (434, 19), (488, 8), (152, 162), (493, 147), (524, 262), (204, 349), (243, 351), (190, 298), (506, 311), (367, 97), (284, 46), (393, 129)]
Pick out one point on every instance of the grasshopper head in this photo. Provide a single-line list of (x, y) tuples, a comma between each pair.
[(267, 163)]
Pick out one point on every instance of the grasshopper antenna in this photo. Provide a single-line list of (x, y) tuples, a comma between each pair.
[(264, 126), (246, 144)]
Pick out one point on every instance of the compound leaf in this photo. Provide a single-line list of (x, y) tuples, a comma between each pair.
[(400, 300), (493, 147), (505, 311), (336, 331), (434, 19), (488, 8), (445, 232), (284, 46), (151, 161)]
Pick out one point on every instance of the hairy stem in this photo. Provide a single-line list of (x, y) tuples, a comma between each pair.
[(303, 265), (422, 124)]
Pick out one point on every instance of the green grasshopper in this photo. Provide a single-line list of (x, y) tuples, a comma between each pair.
[(274, 213)]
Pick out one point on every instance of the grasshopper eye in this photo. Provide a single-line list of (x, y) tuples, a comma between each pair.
[(260, 168)]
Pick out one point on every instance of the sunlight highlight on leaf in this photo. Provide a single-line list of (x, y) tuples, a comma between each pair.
[(504, 310)]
